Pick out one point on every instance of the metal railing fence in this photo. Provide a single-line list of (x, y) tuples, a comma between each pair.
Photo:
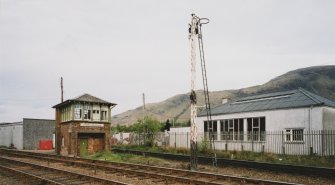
[(288, 142)]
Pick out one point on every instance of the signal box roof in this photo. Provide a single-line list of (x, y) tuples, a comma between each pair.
[(85, 98)]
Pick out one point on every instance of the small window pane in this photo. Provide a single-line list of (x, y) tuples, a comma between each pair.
[(226, 125), (255, 122), (221, 126), (262, 125), (215, 126), (249, 120)]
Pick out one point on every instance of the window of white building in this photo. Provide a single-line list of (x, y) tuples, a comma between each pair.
[(294, 135), (232, 129), (256, 128), (211, 127)]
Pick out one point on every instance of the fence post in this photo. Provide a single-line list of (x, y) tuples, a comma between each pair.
[(263, 148), (332, 134), (175, 139), (311, 135), (226, 145), (322, 142), (169, 139), (252, 141), (186, 139), (283, 142)]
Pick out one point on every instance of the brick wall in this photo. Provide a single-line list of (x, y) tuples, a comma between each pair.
[(71, 130)]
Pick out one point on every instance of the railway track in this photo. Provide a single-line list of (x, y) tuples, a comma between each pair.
[(283, 168), (157, 174), (39, 174)]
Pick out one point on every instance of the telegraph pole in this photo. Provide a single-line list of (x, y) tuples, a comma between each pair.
[(61, 87)]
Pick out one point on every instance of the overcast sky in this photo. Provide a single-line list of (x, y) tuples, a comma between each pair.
[(117, 50)]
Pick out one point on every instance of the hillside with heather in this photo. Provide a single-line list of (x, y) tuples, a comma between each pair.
[(318, 79)]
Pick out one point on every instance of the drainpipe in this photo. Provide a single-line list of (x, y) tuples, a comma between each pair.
[(309, 130), (310, 118)]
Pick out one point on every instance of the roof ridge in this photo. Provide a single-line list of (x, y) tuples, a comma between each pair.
[(266, 95), (87, 94), (309, 95), (81, 96)]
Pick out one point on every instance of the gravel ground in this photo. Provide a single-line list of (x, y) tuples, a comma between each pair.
[(99, 173), (253, 173), (260, 174), (273, 176), (9, 179), (236, 171)]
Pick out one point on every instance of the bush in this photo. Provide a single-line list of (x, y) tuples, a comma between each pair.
[(204, 146), (149, 142)]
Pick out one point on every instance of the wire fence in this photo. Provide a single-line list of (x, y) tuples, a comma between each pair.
[(288, 142)]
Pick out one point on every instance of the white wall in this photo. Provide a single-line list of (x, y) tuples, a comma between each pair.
[(121, 136), (179, 137), (278, 120), (329, 118), (180, 129), (310, 118), (11, 134)]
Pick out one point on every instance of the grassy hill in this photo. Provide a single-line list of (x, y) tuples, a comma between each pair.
[(319, 80)]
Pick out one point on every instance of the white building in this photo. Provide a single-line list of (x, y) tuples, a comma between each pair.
[(290, 122), (11, 135), (26, 134), (295, 110)]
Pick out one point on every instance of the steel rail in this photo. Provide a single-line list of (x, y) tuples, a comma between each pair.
[(29, 175), (285, 168), (58, 171), (179, 175)]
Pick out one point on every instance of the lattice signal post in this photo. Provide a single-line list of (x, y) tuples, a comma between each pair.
[(193, 39), (195, 35)]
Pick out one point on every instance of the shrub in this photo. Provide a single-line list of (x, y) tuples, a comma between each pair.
[(204, 146)]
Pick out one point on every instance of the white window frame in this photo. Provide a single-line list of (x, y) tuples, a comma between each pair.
[(259, 136), (210, 128), (290, 136), (232, 134)]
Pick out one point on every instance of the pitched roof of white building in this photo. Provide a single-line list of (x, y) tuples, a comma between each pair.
[(279, 100)]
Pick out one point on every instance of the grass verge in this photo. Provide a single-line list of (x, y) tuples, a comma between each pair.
[(317, 161), (129, 158)]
